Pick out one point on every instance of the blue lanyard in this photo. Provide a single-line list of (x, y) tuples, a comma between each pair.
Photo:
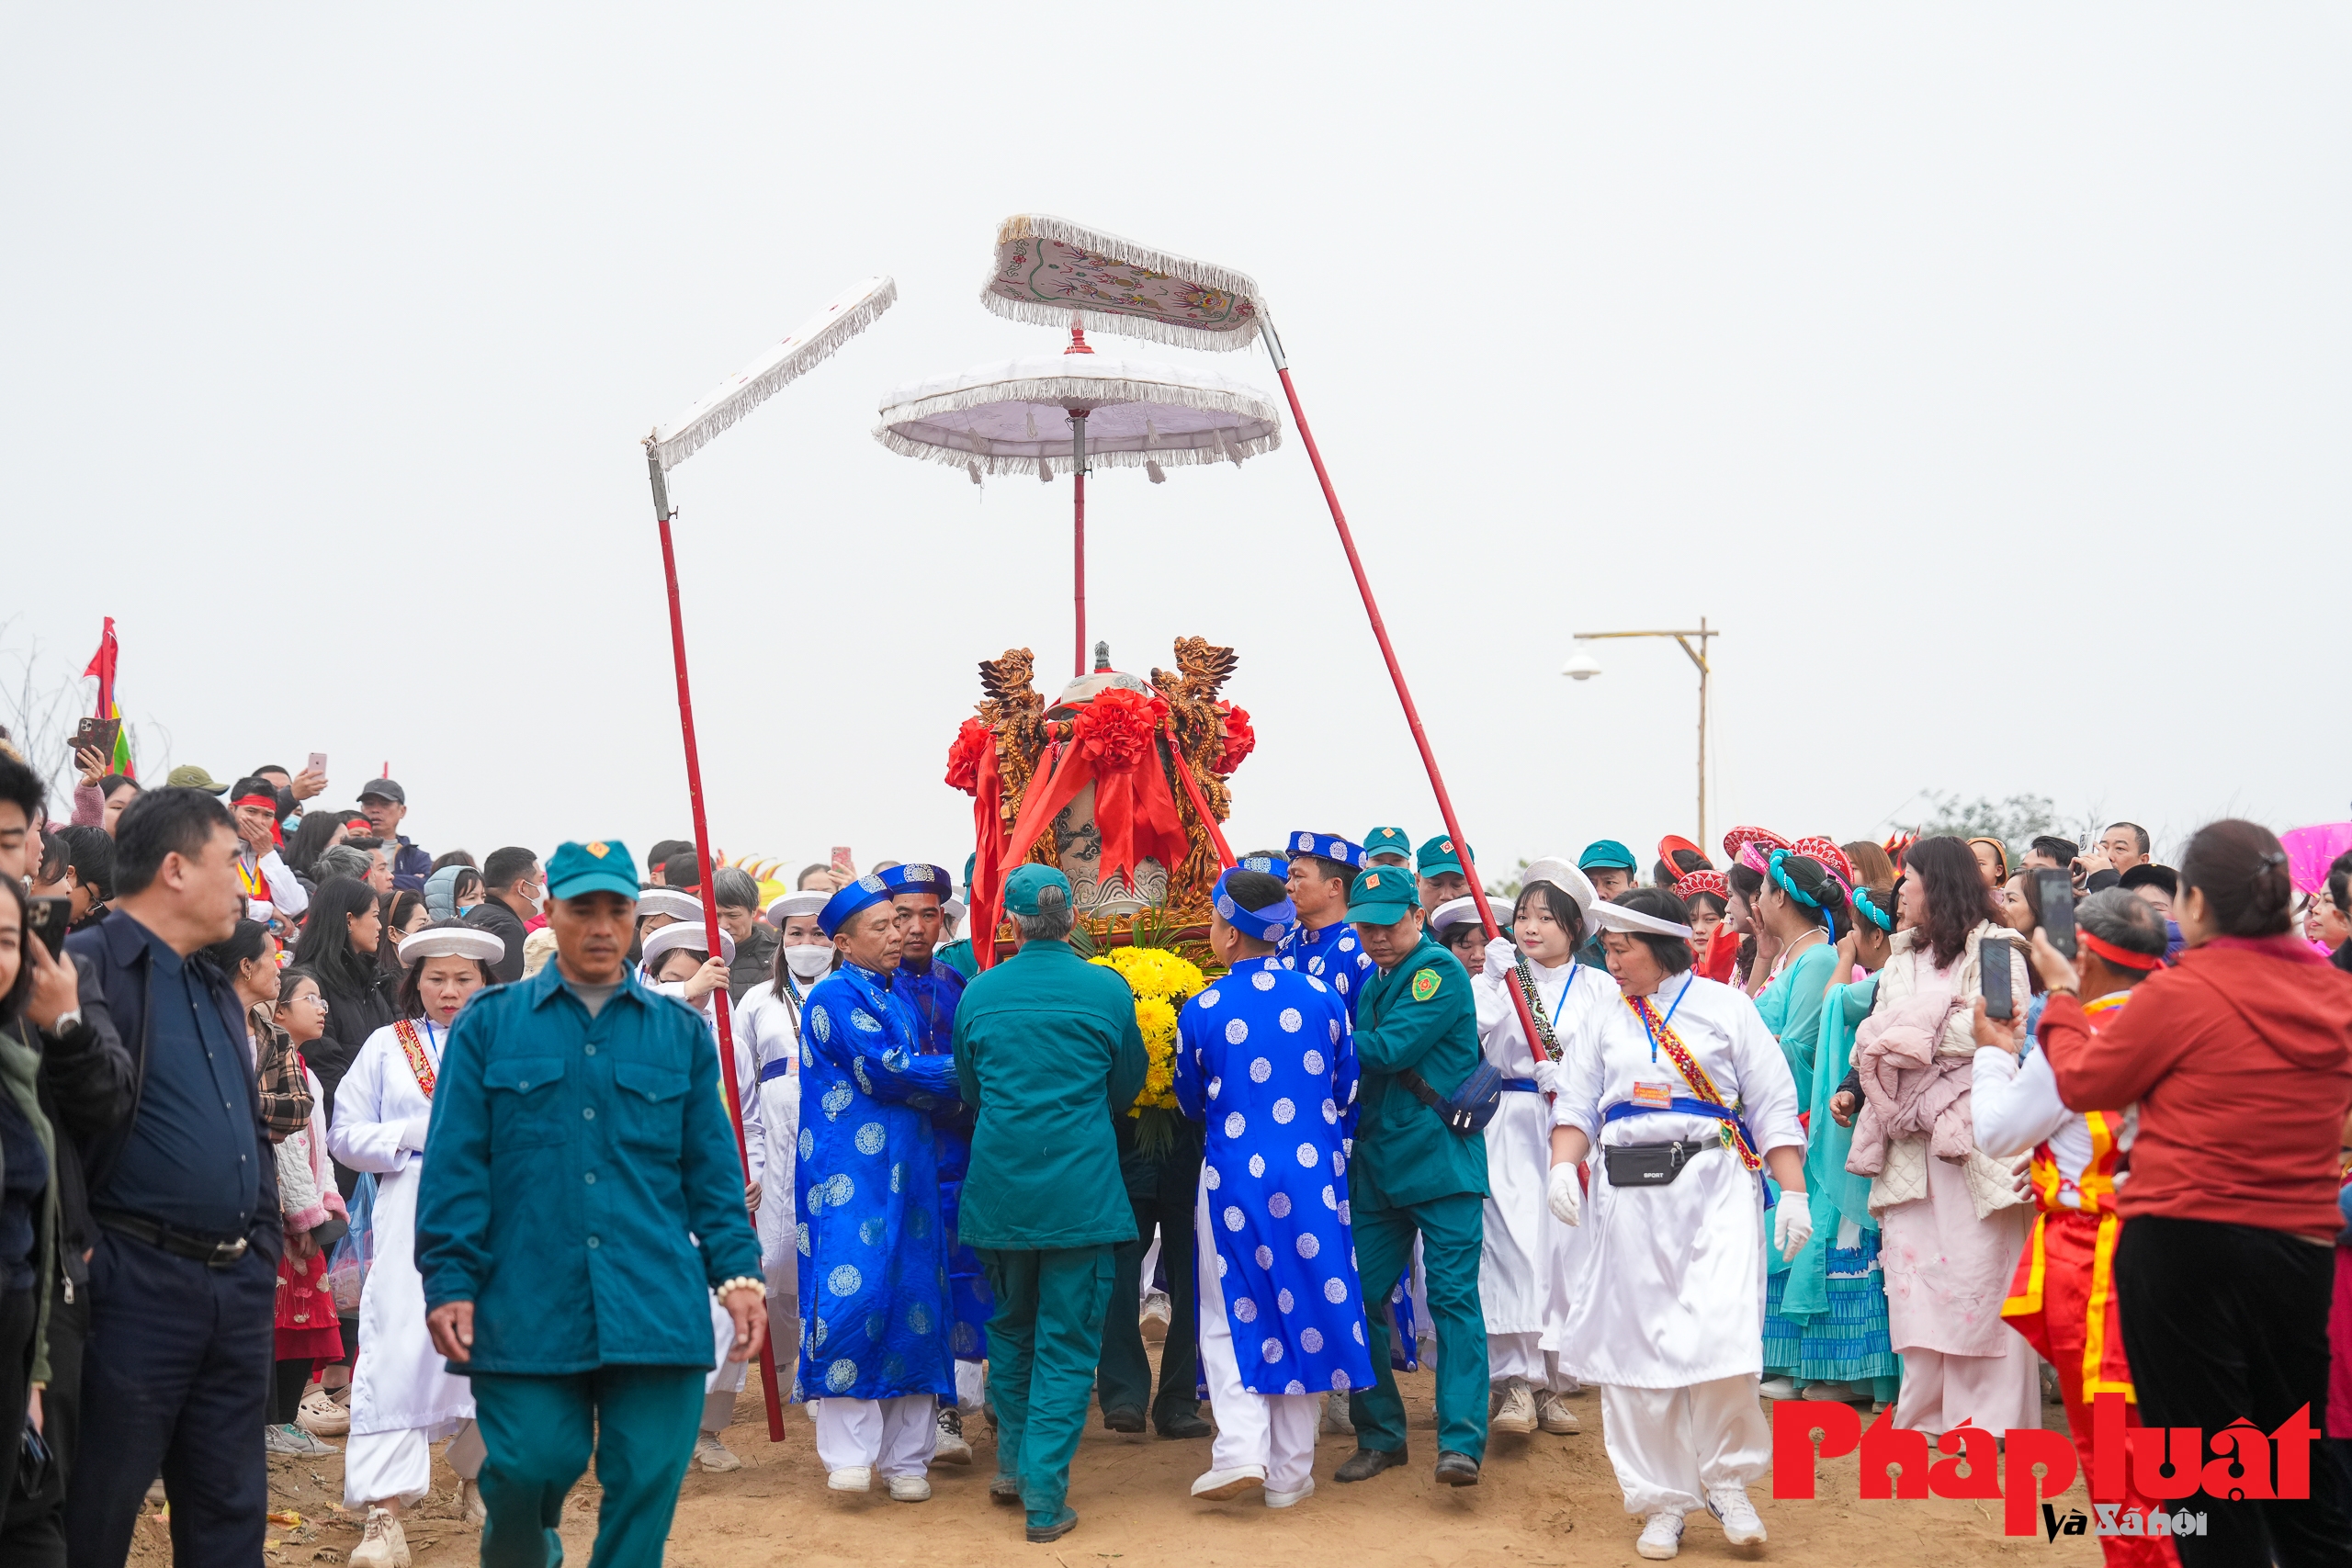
[(1565, 987), (1668, 1020), (431, 1039)]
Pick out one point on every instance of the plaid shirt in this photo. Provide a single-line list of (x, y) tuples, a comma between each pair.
[(277, 1067)]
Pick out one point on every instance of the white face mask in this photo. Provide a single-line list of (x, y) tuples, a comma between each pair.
[(807, 963)]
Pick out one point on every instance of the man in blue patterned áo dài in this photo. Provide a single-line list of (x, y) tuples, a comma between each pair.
[(1322, 943), (931, 988), (873, 1317), (1046, 1046), (583, 1202), (1266, 1061)]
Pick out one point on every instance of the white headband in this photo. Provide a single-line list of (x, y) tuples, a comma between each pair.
[(453, 941)]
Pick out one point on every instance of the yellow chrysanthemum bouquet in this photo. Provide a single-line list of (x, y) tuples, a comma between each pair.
[(1163, 982)]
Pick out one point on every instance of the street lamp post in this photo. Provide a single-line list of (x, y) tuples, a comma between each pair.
[(1584, 667)]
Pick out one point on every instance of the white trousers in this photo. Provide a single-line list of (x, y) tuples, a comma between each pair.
[(1668, 1445), (894, 1436), (1996, 1392), (1522, 1356), (1271, 1432), (377, 1465)]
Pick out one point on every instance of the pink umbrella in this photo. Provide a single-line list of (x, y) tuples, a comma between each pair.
[(2309, 852)]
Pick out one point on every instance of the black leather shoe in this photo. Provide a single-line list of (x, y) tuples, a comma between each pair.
[(1124, 1420), (1456, 1470), (1366, 1463), (1186, 1424)]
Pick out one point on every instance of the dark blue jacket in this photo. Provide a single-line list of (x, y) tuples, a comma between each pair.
[(111, 960)]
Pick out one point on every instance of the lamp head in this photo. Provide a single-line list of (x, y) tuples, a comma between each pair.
[(1580, 667)]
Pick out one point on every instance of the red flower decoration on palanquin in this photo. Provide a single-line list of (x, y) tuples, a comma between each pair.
[(964, 756), (1239, 738), (1116, 727)]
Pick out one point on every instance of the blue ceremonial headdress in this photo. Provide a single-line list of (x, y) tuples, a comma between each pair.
[(1330, 846), (1264, 925), (863, 894), (1867, 907), (1271, 865), (917, 877)]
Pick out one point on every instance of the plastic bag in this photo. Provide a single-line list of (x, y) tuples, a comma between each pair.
[(356, 1253)]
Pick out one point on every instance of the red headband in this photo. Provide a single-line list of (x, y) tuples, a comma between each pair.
[(2121, 957), (266, 801)]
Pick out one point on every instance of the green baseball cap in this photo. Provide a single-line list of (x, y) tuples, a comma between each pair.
[(1439, 854), (188, 776), (1387, 841), (1606, 854), (1382, 895), (602, 865), (1021, 889)]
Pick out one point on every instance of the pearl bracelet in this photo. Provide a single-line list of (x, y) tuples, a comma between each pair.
[(741, 1282)]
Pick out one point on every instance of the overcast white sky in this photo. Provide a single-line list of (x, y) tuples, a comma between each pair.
[(1981, 371)]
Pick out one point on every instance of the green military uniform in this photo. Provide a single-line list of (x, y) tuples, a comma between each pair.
[(585, 1194), (1046, 1044), (957, 954), (1411, 1173)]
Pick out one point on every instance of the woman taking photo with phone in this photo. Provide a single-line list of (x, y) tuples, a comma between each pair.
[(2240, 1059), (1952, 1219)]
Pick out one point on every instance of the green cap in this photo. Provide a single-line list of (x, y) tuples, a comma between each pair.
[(1387, 841), (1382, 895), (604, 866), (1606, 854), (1439, 854), (190, 777), (1021, 889)]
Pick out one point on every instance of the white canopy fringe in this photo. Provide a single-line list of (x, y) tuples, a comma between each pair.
[(847, 314)]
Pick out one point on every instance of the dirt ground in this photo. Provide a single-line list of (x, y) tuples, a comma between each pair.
[(1542, 1501)]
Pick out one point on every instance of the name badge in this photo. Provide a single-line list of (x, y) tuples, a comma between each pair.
[(1655, 1096)]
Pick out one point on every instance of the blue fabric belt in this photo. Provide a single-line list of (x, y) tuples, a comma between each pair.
[(1681, 1105), (1523, 1086), (775, 1069)]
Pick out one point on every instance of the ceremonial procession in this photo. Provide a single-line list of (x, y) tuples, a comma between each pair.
[(1108, 936)]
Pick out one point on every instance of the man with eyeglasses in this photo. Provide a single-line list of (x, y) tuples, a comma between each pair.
[(512, 889)]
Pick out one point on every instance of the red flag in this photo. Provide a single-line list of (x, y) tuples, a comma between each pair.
[(102, 666)]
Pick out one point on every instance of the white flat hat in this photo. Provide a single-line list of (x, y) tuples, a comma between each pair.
[(1563, 875), (1454, 912), (453, 941), (688, 935), (783, 905), (1617, 918), (669, 901)]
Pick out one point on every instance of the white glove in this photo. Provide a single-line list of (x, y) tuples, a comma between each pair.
[(1565, 1194), (1793, 1227), (1502, 958), (413, 1132), (1547, 1076)]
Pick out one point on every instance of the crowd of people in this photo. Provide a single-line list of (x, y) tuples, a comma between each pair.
[(309, 1136)]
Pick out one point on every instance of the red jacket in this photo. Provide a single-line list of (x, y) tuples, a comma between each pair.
[(2240, 1058)]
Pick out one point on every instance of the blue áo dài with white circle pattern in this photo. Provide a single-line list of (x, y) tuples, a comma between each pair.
[(874, 1300), (1265, 1056), (1333, 955)]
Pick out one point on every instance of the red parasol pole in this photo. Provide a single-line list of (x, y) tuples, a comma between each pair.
[(663, 513), (1396, 671), (1078, 467)]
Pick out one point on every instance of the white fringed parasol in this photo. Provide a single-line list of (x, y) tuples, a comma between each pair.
[(1070, 412), (844, 316)]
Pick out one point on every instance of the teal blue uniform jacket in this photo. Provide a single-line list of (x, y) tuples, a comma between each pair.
[(1045, 1043), (1419, 1015), (571, 1159)]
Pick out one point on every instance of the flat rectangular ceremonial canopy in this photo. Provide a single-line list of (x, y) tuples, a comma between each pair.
[(1055, 273)]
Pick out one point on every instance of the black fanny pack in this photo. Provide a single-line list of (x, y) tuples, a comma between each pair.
[(1469, 1108), (1651, 1165)]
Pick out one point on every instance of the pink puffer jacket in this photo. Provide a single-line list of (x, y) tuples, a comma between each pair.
[(1909, 1092)]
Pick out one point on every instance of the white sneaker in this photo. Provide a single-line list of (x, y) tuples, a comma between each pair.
[(1217, 1485), (910, 1489), (854, 1478), (322, 1417), (292, 1440), (381, 1544), (1661, 1537), (1730, 1504), (1551, 1414), (1516, 1413), (1284, 1499), (1777, 1388), (1156, 1308), (712, 1454), (1337, 1423), (470, 1502), (951, 1447)]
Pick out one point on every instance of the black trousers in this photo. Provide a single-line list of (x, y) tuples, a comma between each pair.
[(32, 1532), (175, 1378), (2224, 1321), (18, 1310), (1123, 1380)]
